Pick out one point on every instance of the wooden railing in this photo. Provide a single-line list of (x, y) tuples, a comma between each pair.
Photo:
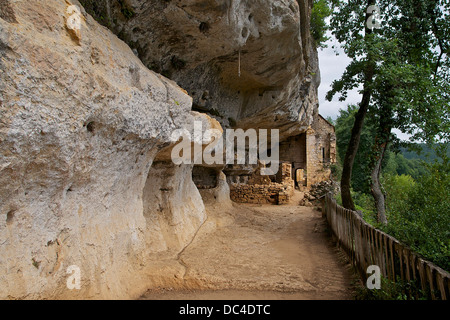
[(367, 246)]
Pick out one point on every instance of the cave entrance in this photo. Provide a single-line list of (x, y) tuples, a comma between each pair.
[(204, 177)]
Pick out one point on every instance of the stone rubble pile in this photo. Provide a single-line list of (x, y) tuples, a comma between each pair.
[(318, 191)]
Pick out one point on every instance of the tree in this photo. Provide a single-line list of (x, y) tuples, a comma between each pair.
[(403, 70), (409, 80), (352, 30), (360, 172), (320, 11), (421, 219)]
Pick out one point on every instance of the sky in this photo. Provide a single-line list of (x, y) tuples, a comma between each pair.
[(331, 68)]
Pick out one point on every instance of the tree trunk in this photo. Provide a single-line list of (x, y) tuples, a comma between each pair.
[(355, 138), (377, 192), (382, 139), (350, 155)]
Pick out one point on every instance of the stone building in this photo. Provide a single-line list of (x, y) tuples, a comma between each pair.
[(311, 153), (305, 160), (277, 189)]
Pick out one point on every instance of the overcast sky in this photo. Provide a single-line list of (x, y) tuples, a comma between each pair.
[(332, 68)]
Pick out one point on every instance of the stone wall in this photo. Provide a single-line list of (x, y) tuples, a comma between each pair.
[(274, 193), (262, 190), (293, 150), (311, 153), (321, 150), (325, 138)]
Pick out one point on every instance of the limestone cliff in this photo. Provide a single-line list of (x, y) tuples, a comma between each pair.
[(81, 122), (86, 119), (203, 44)]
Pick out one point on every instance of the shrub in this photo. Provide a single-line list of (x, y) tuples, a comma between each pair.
[(397, 190), (319, 13), (422, 218)]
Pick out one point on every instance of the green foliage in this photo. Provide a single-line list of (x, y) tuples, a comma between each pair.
[(126, 10), (417, 193), (419, 214), (336, 170), (397, 164), (410, 88), (420, 151), (338, 198), (393, 163), (363, 203), (319, 13), (403, 69), (390, 290), (331, 120), (344, 124), (398, 189)]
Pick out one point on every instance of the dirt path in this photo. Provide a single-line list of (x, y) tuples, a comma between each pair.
[(262, 252)]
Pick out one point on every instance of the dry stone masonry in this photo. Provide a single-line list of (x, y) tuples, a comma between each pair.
[(261, 189)]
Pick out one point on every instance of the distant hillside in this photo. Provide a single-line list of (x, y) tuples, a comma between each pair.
[(427, 154)]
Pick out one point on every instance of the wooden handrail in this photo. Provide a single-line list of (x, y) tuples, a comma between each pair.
[(367, 246)]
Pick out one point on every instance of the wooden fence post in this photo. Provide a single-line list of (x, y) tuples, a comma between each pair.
[(366, 245)]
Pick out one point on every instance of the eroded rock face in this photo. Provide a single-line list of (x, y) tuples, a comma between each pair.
[(81, 121), (202, 45), (85, 127), (172, 204)]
